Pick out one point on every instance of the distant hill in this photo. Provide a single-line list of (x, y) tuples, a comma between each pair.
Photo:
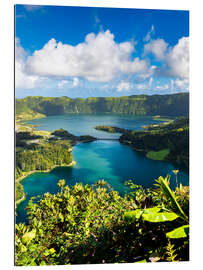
[(163, 105)]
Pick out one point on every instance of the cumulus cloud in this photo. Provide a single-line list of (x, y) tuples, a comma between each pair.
[(157, 47), (62, 83), (99, 58), (180, 84), (75, 82), (22, 79), (143, 76), (142, 86), (149, 34), (177, 60), (123, 86)]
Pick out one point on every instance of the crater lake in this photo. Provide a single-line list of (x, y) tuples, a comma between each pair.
[(102, 159)]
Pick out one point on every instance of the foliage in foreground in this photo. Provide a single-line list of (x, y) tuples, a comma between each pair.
[(94, 224)]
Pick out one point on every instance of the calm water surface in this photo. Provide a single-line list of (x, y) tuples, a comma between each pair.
[(84, 124), (108, 160)]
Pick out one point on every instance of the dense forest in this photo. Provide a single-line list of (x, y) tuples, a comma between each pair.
[(36, 153), (164, 105), (94, 224), (164, 141)]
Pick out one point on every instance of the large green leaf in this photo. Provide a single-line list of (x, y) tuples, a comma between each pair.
[(151, 215), (152, 210), (164, 185), (159, 217), (180, 232), (133, 215)]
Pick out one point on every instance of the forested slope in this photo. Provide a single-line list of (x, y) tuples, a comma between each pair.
[(170, 105), (38, 153), (171, 139)]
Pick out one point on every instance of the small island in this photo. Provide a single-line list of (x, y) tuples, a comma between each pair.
[(111, 129), (64, 134)]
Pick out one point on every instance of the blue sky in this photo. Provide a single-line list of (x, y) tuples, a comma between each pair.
[(82, 52)]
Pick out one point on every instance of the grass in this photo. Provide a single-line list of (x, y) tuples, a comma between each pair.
[(42, 132), (158, 155)]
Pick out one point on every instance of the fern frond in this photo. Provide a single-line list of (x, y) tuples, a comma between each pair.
[(170, 252)]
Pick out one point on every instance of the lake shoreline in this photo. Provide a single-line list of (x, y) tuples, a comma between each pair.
[(71, 164), (75, 143)]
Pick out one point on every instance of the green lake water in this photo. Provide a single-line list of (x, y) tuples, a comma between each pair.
[(103, 159)]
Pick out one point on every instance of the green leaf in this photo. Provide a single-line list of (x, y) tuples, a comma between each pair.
[(33, 263), (180, 232), (23, 248), (32, 247), (43, 263), (52, 250), (164, 185), (28, 236), (61, 217), (46, 253), (152, 210), (133, 215), (142, 261), (150, 214), (159, 217)]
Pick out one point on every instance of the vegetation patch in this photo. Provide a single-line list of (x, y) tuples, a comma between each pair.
[(170, 105), (158, 155), (64, 134), (157, 139), (94, 224), (111, 129)]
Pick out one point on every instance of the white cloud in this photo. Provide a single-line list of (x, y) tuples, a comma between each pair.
[(149, 34), (123, 86), (180, 84), (22, 79), (163, 87), (75, 82), (178, 59), (33, 7), (142, 86), (99, 58), (62, 83), (143, 76), (150, 82), (175, 59), (158, 47)]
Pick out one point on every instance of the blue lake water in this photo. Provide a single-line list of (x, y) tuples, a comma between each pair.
[(108, 160), (84, 124)]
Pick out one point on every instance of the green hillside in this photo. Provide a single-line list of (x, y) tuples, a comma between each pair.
[(162, 142), (164, 105)]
